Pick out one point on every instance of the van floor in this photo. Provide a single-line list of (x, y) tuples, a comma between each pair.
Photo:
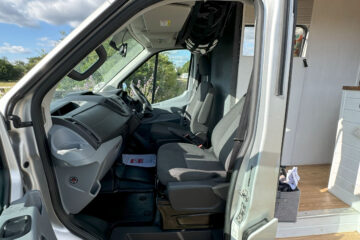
[(334, 236), (153, 232), (314, 193)]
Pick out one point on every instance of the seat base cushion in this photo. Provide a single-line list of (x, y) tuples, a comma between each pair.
[(161, 130), (178, 162)]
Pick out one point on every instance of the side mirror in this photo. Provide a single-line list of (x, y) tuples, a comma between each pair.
[(124, 86)]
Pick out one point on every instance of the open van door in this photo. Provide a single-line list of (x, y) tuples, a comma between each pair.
[(254, 181), (26, 217)]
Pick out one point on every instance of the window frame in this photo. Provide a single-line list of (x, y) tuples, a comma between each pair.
[(156, 54), (301, 53), (306, 31)]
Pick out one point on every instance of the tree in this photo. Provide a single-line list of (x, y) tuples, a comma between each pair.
[(166, 79), (184, 68), (15, 71), (167, 83), (34, 60), (10, 72)]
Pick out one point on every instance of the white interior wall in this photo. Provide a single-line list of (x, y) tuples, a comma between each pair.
[(333, 56), (245, 67), (245, 62)]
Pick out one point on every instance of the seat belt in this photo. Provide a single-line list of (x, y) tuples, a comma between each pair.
[(183, 113), (198, 77), (240, 131)]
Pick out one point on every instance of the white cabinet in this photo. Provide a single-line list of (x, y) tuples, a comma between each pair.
[(344, 180)]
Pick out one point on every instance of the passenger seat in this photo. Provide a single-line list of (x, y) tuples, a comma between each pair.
[(196, 179), (194, 125), (181, 162)]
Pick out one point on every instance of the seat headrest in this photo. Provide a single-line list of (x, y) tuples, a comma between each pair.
[(204, 66)]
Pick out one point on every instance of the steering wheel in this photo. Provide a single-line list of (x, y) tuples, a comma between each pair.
[(141, 97)]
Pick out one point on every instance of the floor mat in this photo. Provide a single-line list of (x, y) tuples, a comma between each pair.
[(155, 233), (119, 233)]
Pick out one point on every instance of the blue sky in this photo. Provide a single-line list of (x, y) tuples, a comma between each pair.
[(29, 26), (179, 57), (20, 43)]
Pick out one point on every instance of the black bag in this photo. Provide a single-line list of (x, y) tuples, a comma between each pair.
[(204, 26)]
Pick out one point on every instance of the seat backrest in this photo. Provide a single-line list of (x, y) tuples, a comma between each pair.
[(198, 110), (222, 137)]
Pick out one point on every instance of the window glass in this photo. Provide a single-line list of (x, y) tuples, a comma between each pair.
[(114, 63), (143, 77), (249, 41), (299, 41), (171, 76)]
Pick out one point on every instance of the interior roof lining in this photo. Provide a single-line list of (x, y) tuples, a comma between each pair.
[(150, 32)]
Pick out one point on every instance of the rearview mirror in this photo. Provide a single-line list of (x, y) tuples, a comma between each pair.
[(123, 49)]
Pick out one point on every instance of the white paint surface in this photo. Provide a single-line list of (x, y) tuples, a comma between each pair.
[(344, 181), (320, 222), (333, 57)]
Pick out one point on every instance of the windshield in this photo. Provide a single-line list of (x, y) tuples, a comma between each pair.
[(114, 63)]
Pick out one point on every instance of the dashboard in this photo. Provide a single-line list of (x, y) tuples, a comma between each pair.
[(86, 138)]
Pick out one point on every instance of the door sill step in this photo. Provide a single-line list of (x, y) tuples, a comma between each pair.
[(319, 222)]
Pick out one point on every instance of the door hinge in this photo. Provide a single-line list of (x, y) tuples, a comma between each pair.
[(18, 123)]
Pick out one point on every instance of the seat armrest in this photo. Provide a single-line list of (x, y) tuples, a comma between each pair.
[(199, 196), (180, 133), (189, 137)]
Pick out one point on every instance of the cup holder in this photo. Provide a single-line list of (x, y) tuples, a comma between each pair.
[(95, 188)]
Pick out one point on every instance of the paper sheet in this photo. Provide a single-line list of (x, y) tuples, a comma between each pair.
[(139, 160), (292, 178)]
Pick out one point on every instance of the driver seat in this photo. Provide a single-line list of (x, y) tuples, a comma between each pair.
[(193, 127)]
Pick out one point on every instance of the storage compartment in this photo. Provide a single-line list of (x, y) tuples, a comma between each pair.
[(71, 106), (125, 173), (173, 219), (79, 167), (287, 205)]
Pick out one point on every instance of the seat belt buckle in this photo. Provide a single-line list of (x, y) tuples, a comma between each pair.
[(200, 146), (228, 175)]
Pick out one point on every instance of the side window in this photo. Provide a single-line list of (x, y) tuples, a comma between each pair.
[(249, 41), (172, 74), (143, 77), (163, 76), (299, 41)]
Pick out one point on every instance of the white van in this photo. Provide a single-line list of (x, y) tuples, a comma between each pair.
[(170, 120)]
